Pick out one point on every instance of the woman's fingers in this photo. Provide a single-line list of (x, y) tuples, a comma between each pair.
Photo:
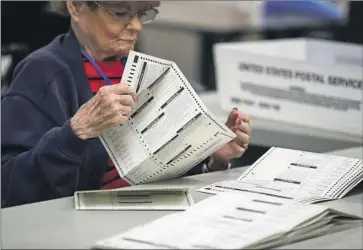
[(237, 149), (231, 119), (118, 89), (241, 138), (243, 126)]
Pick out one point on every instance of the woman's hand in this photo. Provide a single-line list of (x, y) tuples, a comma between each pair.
[(239, 123), (110, 107)]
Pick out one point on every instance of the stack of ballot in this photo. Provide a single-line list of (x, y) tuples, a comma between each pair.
[(233, 221), (303, 176), (139, 197), (269, 205)]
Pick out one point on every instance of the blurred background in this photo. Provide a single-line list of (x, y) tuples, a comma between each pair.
[(185, 32)]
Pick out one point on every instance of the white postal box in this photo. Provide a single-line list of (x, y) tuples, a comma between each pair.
[(316, 83)]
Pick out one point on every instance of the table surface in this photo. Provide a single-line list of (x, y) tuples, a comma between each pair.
[(274, 133), (56, 224)]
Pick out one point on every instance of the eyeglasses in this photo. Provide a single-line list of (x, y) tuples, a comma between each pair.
[(125, 16)]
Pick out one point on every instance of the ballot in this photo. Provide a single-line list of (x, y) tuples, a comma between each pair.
[(138, 197), (234, 221), (305, 177), (170, 130)]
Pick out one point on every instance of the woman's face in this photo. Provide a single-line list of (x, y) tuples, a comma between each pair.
[(111, 29)]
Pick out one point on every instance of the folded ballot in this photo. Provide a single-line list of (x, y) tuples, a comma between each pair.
[(170, 130), (234, 221), (305, 177), (141, 197)]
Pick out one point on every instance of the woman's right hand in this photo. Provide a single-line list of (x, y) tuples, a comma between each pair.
[(110, 107)]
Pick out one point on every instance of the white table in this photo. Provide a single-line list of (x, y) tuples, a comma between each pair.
[(56, 224), (274, 133)]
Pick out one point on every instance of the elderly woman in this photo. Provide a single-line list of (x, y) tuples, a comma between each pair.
[(64, 95)]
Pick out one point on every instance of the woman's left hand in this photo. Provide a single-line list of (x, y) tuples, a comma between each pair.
[(239, 123)]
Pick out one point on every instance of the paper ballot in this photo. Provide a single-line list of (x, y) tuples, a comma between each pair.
[(305, 177), (139, 197), (170, 129), (232, 221)]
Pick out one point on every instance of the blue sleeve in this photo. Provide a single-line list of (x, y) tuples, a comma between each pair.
[(41, 156), (200, 168), (38, 161)]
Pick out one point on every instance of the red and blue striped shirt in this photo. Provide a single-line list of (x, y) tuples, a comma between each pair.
[(113, 70)]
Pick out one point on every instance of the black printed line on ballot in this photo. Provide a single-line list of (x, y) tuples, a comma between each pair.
[(152, 123), (254, 192), (165, 144), (141, 78), (172, 97), (138, 111), (287, 181), (159, 79), (183, 151), (302, 165), (189, 122)]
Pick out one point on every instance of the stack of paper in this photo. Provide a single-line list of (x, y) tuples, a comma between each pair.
[(303, 176), (232, 221), (143, 197), (170, 129)]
